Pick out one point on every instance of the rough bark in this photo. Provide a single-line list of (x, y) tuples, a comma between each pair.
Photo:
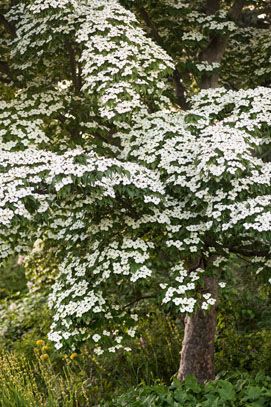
[(213, 53), (197, 354)]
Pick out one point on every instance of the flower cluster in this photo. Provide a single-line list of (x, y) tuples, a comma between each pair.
[(113, 62), (23, 119)]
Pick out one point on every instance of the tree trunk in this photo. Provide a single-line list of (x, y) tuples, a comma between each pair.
[(197, 355), (213, 53)]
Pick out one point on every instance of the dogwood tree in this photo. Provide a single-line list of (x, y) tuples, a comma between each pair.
[(113, 164)]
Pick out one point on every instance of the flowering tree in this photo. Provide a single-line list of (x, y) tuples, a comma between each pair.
[(114, 165)]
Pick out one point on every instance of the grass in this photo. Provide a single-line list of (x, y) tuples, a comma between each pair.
[(37, 383)]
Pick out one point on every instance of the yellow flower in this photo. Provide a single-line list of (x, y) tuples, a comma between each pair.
[(44, 357), (73, 355), (44, 348), (40, 342)]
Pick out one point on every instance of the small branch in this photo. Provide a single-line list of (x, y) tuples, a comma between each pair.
[(107, 139), (144, 297), (153, 31), (250, 252), (200, 263), (5, 80), (244, 259), (79, 76)]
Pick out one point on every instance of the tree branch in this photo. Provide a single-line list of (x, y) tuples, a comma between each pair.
[(76, 79), (144, 297), (180, 90), (212, 6), (4, 80), (236, 9), (216, 48), (250, 252), (153, 31)]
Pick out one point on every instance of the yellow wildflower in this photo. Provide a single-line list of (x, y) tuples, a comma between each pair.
[(73, 355), (40, 342), (44, 357)]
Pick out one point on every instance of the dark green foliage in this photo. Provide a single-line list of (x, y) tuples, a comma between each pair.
[(234, 391), (244, 322), (250, 352), (12, 279)]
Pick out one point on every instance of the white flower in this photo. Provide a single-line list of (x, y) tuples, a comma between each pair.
[(99, 351), (96, 337), (131, 332), (204, 305)]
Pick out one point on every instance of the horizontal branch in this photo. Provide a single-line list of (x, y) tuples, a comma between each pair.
[(250, 252), (144, 297)]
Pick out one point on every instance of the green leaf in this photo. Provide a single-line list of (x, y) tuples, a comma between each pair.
[(253, 393), (191, 383), (226, 390)]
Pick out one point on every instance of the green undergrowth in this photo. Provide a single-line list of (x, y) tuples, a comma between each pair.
[(33, 374), (238, 390)]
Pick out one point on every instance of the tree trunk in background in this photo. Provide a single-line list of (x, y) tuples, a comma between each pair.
[(197, 355), (216, 48)]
